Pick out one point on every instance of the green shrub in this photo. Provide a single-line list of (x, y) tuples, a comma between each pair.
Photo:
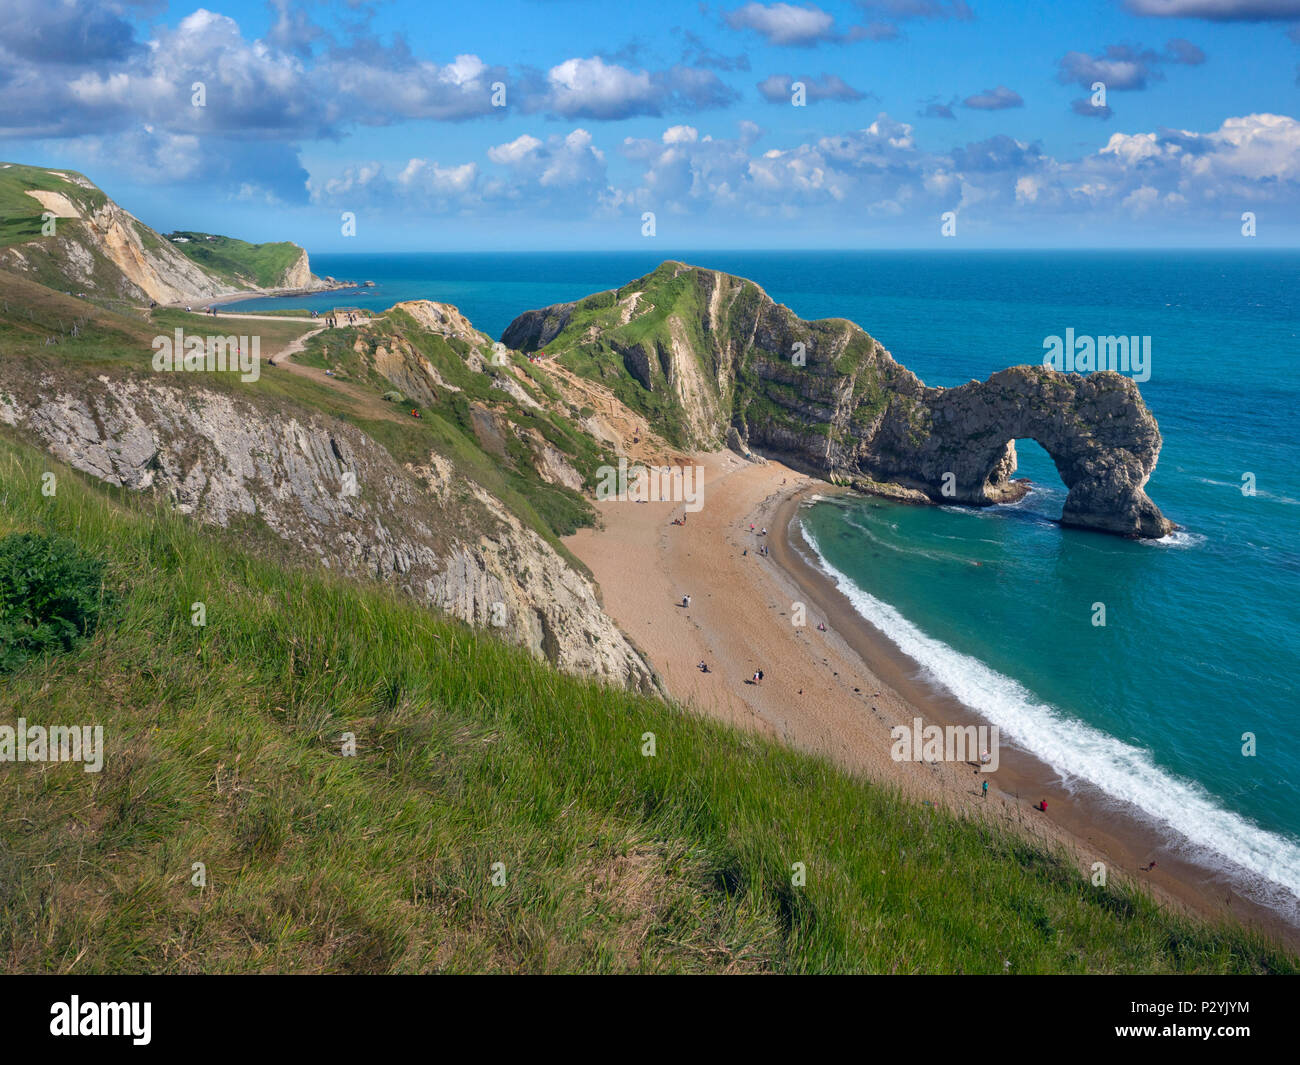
[(51, 597)]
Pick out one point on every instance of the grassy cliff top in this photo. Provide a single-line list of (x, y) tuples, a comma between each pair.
[(237, 261), (20, 214)]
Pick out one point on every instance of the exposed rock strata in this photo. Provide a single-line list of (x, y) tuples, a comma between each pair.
[(221, 459), (829, 398)]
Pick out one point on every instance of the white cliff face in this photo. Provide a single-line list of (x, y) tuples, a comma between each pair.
[(108, 252), (334, 495)]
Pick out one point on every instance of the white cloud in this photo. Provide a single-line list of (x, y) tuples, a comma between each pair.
[(784, 24), (515, 150)]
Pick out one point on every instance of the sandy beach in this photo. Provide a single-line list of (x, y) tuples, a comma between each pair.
[(838, 692)]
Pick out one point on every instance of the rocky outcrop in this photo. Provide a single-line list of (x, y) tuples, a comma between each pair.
[(535, 329), (333, 495), (298, 276), (106, 251), (98, 248), (824, 395)]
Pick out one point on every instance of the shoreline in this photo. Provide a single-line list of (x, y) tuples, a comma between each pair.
[(837, 693), (279, 293), (1092, 825)]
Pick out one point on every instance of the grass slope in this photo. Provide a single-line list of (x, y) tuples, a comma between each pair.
[(237, 261), (223, 747), (20, 214)]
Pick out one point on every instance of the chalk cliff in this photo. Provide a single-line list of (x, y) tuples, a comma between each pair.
[(705, 353)]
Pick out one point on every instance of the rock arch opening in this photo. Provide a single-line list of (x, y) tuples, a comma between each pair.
[(1026, 466)]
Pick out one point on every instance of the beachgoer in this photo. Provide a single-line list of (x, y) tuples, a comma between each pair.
[(1042, 805), (984, 757), (986, 789), (755, 676), (760, 675)]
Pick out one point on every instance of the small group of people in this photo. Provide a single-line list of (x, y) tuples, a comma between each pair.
[(677, 521), (758, 676), (686, 601)]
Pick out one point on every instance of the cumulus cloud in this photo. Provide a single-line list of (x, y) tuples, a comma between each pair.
[(1123, 67), (78, 32), (998, 99), (590, 88), (879, 172), (784, 24), (293, 30), (777, 89)]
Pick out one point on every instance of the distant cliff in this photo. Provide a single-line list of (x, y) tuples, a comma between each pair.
[(712, 359), (60, 229), (272, 266)]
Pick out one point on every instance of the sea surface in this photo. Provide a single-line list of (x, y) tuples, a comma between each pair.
[(1185, 705)]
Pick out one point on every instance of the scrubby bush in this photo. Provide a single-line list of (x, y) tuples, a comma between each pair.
[(51, 597)]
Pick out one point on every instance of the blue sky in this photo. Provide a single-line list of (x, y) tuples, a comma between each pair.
[(912, 108)]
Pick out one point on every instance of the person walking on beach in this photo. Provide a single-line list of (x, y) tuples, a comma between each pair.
[(986, 789)]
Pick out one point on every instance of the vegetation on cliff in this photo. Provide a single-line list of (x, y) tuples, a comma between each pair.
[(237, 261), (224, 746)]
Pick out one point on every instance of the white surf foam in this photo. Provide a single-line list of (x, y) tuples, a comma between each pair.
[(1177, 538), (1268, 864)]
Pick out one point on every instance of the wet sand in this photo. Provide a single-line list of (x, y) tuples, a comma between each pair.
[(837, 693)]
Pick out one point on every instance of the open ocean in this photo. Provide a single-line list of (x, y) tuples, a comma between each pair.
[(1202, 630)]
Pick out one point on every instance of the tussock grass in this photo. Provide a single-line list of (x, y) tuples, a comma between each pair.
[(223, 747)]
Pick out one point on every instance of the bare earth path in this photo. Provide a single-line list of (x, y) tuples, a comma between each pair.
[(359, 401)]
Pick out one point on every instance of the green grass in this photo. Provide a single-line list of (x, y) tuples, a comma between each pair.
[(20, 214), (237, 261), (223, 747)]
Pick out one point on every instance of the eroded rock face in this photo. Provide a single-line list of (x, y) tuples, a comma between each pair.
[(109, 251), (335, 496), (828, 398), (855, 414), (1096, 428)]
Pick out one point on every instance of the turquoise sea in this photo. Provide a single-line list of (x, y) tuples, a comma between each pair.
[(1201, 644)]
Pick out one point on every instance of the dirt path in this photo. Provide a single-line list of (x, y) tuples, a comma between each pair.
[(359, 401)]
